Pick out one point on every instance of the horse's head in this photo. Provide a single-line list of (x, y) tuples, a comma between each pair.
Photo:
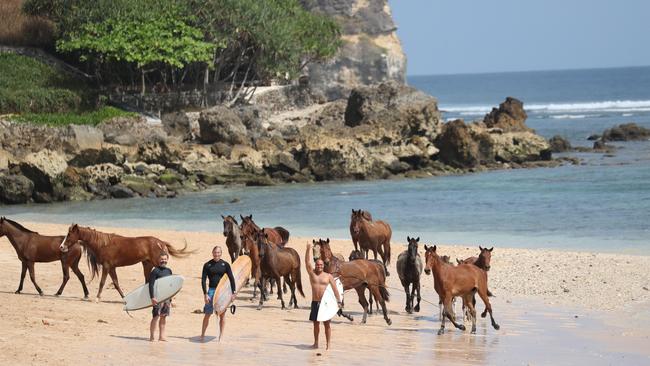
[(71, 238), (459, 261), (248, 226), (355, 222), (228, 224), (262, 243), (413, 247), (445, 259), (430, 257), (485, 257), (325, 251), (315, 249), (355, 254)]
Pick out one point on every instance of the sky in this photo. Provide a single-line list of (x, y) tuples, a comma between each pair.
[(477, 36)]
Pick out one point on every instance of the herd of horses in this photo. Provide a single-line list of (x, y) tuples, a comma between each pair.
[(273, 262)]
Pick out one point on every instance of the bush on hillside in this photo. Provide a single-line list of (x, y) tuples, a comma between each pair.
[(18, 29)]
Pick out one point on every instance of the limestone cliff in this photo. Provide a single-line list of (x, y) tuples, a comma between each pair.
[(371, 52)]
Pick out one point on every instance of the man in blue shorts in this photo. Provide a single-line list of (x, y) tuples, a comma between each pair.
[(213, 270), (160, 310)]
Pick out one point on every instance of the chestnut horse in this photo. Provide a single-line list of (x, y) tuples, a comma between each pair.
[(482, 261), (359, 275), (233, 237), (32, 247), (372, 235), (277, 235), (409, 269), (276, 262), (355, 235), (357, 254), (464, 280), (110, 251)]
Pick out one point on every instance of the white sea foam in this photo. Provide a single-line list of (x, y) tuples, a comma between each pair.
[(609, 106), (572, 116)]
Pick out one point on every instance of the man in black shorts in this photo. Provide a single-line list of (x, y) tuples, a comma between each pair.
[(319, 281), (160, 310), (213, 270)]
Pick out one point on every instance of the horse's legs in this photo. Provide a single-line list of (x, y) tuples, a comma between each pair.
[(80, 276), (278, 280), (361, 292), (66, 275), (102, 282), (413, 296), (23, 272), (355, 242), (146, 270), (292, 286), (370, 301), (449, 314), (468, 300), (262, 284), (378, 298), (32, 276), (405, 284), (483, 294), (115, 282), (284, 286), (417, 285)]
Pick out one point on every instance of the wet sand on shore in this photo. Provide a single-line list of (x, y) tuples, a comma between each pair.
[(553, 307)]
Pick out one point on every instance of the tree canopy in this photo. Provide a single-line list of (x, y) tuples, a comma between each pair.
[(227, 44)]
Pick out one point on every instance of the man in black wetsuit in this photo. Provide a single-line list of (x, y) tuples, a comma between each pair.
[(160, 309), (213, 270)]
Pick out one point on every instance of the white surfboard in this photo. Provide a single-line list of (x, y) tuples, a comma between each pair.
[(328, 305), (164, 289), (241, 270)]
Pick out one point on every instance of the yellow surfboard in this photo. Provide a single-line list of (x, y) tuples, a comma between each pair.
[(241, 270)]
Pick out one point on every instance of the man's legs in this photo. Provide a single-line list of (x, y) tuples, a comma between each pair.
[(316, 332), (152, 328), (206, 321), (328, 334), (222, 324), (163, 321)]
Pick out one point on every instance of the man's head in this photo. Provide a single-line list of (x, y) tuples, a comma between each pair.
[(319, 266), (163, 259), (216, 253)]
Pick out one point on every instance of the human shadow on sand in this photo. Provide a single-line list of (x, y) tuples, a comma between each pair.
[(131, 338), (304, 347)]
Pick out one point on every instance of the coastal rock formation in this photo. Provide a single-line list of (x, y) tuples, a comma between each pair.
[(371, 52), (559, 144), (15, 189), (626, 132), (222, 124), (44, 168), (509, 117)]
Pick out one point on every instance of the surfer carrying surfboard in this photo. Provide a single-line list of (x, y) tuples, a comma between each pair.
[(320, 280), (160, 309), (213, 270)]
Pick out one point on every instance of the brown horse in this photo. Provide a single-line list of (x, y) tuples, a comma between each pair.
[(359, 275), (482, 261), (276, 262), (32, 247), (110, 251), (464, 280), (233, 237), (355, 235), (372, 235)]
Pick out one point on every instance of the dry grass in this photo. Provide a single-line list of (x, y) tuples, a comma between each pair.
[(18, 29)]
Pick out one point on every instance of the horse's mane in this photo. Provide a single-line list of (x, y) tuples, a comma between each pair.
[(98, 238), (19, 226), (366, 215), (233, 219)]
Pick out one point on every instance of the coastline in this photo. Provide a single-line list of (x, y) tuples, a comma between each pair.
[(604, 321)]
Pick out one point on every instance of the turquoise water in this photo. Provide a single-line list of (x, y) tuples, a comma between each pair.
[(602, 205)]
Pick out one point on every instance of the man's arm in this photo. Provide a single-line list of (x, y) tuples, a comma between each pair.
[(232, 278), (204, 276), (152, 279), (308, 254), (335, 289)]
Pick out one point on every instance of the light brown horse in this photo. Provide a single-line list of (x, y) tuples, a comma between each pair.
[(358, 275), (464, 281), (233, 237), (32, 247), (110, 251), (276, 262), (372, 235)]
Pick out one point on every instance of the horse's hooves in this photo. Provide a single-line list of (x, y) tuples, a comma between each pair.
[(259, 308), (40, 294), (483, 315), (17, 292), (473, 331), (417, 308), (496, 326), (441, 331), (86, 297), (461, 327), (57, 294), (389, 322)]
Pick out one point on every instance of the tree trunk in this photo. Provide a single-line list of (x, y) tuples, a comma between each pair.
[(143, 83)]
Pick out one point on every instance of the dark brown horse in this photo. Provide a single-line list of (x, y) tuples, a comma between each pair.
[(233, 237), (482, 261), (277, 262), (409, 269), (110, 251), (372, 235), (355, 235), (464, 281), (32, 247), (359, 275)]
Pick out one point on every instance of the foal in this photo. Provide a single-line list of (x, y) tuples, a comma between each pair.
[(464, 280)]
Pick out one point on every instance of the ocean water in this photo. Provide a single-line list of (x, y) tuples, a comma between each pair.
[(600, 205)]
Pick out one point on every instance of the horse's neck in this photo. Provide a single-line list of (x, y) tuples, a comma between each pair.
[(480, 262), (16, 237), (91, 238), (335, 265)]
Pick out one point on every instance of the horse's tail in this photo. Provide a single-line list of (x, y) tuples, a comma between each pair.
[(178, 253), (387, 250), (284, 234), (384, 293), (93, 264), (299, 282)]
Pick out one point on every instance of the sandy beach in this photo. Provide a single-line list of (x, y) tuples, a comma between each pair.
[(554, 307)]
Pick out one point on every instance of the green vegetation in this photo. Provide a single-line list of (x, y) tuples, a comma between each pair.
[(234, 44), (28, 85), (92, 118)]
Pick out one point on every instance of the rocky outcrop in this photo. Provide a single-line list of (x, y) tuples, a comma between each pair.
[(559, 144), (15, 189), (371, 53), (509, 117), (626, 132), (129, 131), (221, 124), (45, 169)]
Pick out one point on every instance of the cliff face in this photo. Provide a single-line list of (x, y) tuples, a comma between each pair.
[(371, 52)]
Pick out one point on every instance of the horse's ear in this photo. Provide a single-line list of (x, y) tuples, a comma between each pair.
[(418, 239), (250, 216), (489, 250), (242, 217), (223, 217), (408, 238), (435, 247), (426, 247), (328, 240), (480, 248)]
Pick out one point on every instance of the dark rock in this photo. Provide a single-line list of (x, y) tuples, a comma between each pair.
[(593, 137), (397, 167), (15, 189), (457, 147), (601, 147), (97, 156), (120, 191), (626, 132), (283, 161), (509, 117), (559, 144), (180, 125), (221, 124), (44, 168)]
